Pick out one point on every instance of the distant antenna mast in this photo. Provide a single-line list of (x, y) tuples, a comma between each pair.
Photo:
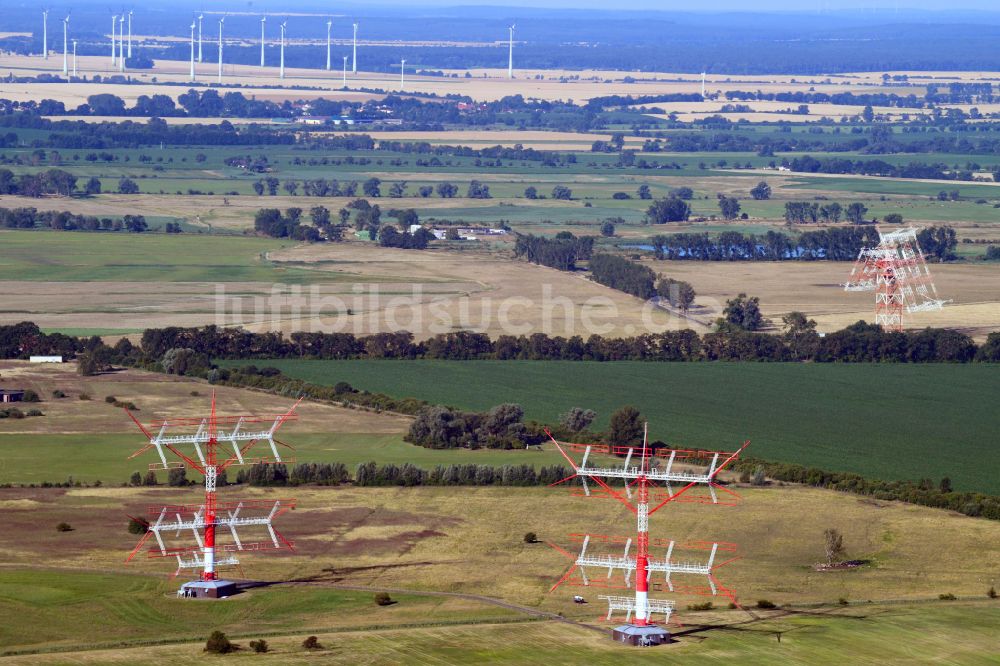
[(896, 271), (329, 27), (263, 20), (198, 442), (649, 482), (354, 59), (510, 52), (45, 33)]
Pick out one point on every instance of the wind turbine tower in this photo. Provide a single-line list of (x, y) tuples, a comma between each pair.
[(703, 85), (121, 43), (192, 52), (114, 54), (263, 20), (329, 27), (130, 33), (66, 45), (200, 17), (402, 74), (345, 71), (354, 59), (45, 33), (221, 21), (510, 53), (74, 57), (281, 70)]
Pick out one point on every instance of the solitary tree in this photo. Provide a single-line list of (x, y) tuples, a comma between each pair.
[(562, 192), (730, 207), (672, 209), (217, 643), (576, 419), (743, 312), (644, 192), (371, 187), (608, 228), (761, 191), (626, 426), (834, 545)]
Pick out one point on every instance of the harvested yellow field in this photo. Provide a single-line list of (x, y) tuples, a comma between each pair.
[(815, 289), (161, 396), (484, 84)]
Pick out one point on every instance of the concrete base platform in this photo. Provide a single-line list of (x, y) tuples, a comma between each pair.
[(647, 636), (208, 589)]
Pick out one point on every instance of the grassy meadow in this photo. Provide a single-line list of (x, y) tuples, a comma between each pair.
[(883, 421)]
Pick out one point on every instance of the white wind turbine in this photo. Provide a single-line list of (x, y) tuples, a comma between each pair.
[(281, 70), (354, 59), (66, 45), (221, 21), (200, 17), (130, 33), (703, 85), (402, 74), (345, 71), (74, 57), (45, 33), (114, 27), (121, 43), (263, 20), (192, 76), (329, 27), (510, 52)]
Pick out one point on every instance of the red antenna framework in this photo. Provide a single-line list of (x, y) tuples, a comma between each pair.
[(203, 520), (896, 271), (652, 485)]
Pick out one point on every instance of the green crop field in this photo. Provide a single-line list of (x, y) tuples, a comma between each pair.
[(94, 256), (35, 458), (883, 421)]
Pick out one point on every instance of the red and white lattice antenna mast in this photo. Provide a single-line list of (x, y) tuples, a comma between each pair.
[(896, 271), (197, 443), (653, 481)]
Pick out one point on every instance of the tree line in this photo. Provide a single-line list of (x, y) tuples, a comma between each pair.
[(30, 218), (561, 252), (834, 244)]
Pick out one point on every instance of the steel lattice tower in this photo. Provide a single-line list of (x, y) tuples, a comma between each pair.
[(896, 271), (653, 488), (204, 520)]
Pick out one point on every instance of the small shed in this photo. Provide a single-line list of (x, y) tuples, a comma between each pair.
[(208, 589), (11, 395), (647, 636), (45, 359)]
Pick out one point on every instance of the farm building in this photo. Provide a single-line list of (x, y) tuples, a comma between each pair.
[(45, 359), (11, 395)]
